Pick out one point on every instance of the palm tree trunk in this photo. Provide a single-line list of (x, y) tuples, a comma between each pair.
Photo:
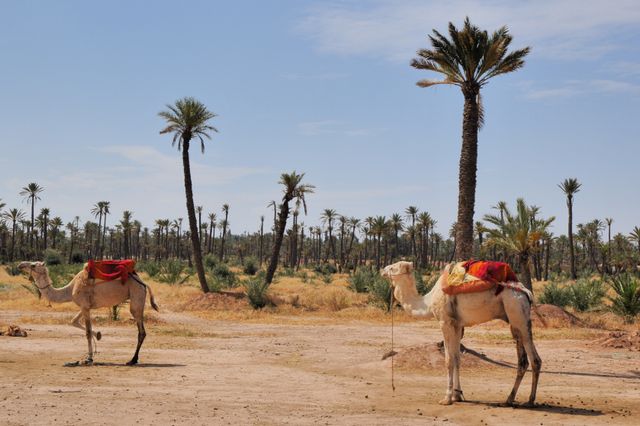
[(467, 176), (525, 270), (191, 212), (280, 227), (572, 256)]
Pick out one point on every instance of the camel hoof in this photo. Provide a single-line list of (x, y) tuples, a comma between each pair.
[(445, 401), (98, 335), (88, 361), (458, 397), (72, 364), (132, 362), (529, 404)]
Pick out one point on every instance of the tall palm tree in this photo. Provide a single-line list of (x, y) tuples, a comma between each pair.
[(127, 226), (609, 222), (106, 206), (293, 189), (31, 193), (327, 217), (44, 219), (98, 211), (468, 59), (635, 236), (378, 229), (397, 224), (188, 119), (14, 216), (212, 231), (411, 212), (55, 225), (519, 235), (570, 187), (224, 224)]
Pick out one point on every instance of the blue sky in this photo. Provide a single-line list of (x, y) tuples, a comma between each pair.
[(322, 87)]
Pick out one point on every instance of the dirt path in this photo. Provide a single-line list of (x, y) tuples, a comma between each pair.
[(202, 372)]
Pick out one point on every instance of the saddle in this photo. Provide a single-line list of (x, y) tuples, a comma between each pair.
[(477, 275), (110, 270)]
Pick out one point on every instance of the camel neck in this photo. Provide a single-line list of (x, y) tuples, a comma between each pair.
[(411, 301), (55, 295)]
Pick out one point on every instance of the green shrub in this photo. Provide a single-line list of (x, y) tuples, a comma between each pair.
[(256, 288), (151, 268), (325, 268), (626, 302), (12, 269), (326, 278), (304, 276), (360, 280), (423, 286), (553, 294), (210, 261), (172, 272), (251, 266), (222, 277), (586, 294), (288, 272), (61, 274), (380, 290), (52, 257), (78, 257)]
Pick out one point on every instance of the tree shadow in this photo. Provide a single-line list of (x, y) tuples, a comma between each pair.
[(555, 409)]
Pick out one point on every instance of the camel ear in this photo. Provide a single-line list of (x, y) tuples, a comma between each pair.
[(407, 267)]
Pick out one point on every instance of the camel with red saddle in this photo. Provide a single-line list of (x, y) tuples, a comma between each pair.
[(506, 300), (98, 285)]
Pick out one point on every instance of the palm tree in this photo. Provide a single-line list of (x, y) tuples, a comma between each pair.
[(187, 119), (44, 219), (397, 224), (635, 236), (212, 231), (293, 189), (105, 211), (224, 224), (126, 232), (570, 187), (14, 216), (411, 212), (327, 218), (55, 225), (518, 235), (378, 229), (98, 211), (30, 193), (469, 59)]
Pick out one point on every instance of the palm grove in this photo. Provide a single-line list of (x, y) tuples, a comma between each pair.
[(469, 58)]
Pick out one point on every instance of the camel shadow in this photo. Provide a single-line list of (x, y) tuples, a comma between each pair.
[(113, 364), (555, 409), (632, 374)]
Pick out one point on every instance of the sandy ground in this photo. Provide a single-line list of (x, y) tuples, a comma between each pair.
[(196, 371)]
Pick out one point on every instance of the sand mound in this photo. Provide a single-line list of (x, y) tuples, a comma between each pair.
[(431, 356), (620, 340), (216, 301), (14, 331), (554, 316)]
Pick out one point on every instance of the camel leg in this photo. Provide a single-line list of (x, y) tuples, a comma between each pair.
[(76, 323), (87, 323), (457, 389), (536, 363), (451, 357), (523, 364), (136, 308)]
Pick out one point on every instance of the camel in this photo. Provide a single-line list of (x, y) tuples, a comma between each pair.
[(465, 310), (94, 295)]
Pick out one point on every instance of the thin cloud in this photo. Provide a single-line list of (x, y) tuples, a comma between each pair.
[(582, 87), (394, 29)]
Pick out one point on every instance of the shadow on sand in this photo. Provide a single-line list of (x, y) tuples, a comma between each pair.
[(555, 409), (632, 374), (113, 364)]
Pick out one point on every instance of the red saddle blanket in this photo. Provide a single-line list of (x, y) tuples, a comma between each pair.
[(110, 270), (476, 275)]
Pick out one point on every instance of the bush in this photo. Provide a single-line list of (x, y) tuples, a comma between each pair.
[(304, 276), (325, 268), (12, 269), (586, 294), (78, 257), (151, 268), (360, 280), (423, 286), (222, 277), (210, 261), (52, 257), (626, 302), (553, 294), (172, 271), (251, 266), (256, 288), (380, 290), (326, 278), (288, 272)]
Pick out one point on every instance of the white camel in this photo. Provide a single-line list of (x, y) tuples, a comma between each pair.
[(92, 296), (464, 310)]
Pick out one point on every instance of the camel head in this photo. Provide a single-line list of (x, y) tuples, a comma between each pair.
[(401, 277), (34, 269)]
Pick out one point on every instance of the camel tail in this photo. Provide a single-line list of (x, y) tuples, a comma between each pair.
[(152, 299)]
